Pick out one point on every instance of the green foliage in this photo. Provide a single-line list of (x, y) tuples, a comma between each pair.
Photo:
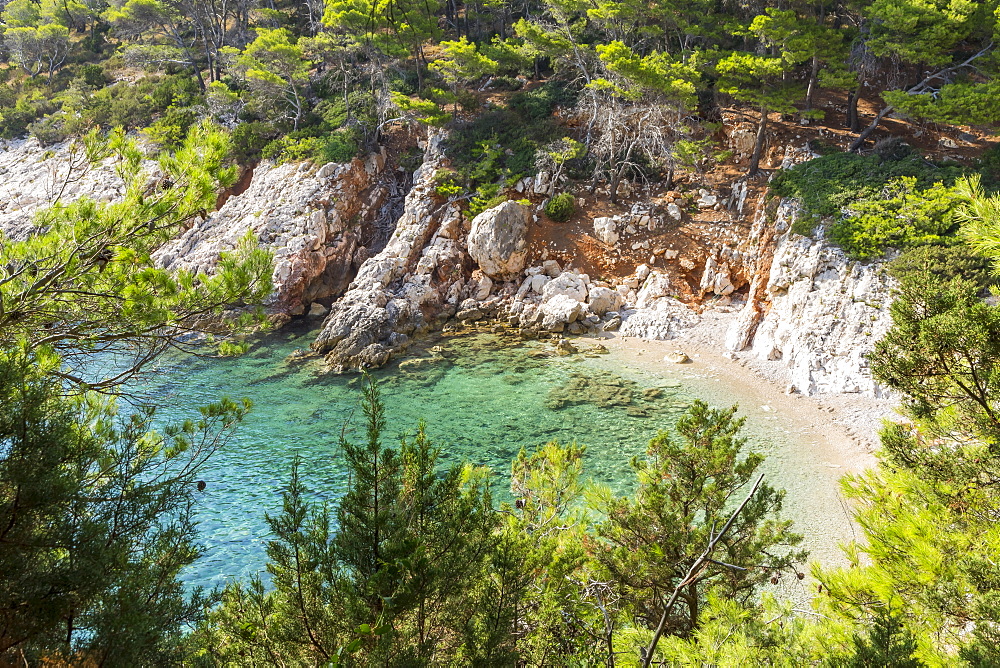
[(170, 130), (561, 207), (563, 612), (486, 197), (945, 262), (249, 140), (829, 183), (444, 183), (87, 274), (275, 68), (462, 63), (96, 515), (314, 145), (900, 216), (896, 199), (886, 643), (411, 573), (943, 352), (686, 486), (980, 217)]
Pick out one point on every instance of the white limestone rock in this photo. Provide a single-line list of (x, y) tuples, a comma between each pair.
[(606, 230), (821, 314), (559, 311), (566, 284), (602, 300), (498, 240)]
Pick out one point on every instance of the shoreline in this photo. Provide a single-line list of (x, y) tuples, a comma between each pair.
[(810, 442), (855, 418)]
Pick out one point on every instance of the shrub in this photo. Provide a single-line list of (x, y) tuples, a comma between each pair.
[(15, 119), (92, 75), (249, 139), (946, 262), (829, 183), (49, 130), (902, 216), (341, 146), (506, 83), (170, 130), (561, 207), (445, 183), (486, 197)]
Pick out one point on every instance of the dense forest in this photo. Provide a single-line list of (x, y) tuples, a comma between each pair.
[(418, 564)]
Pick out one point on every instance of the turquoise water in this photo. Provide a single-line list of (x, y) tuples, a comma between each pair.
[(482, 399)]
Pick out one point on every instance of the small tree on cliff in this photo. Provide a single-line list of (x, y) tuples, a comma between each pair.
[(760, 82)]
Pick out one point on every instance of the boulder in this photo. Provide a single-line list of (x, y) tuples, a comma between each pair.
[(551, 268), (538, 283), (498, 240), (566, 284), (481, 285), (602, 300), (606, 230), (559, 311)]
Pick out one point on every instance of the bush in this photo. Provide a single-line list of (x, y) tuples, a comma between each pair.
[(15, 119), (341, 146), (946, 262), (49, 130), (506, 83), (561, 207), (444, 183), (249, 139), (92, 75), (829, 183), (170, 130), (486, 197), (902, 216)]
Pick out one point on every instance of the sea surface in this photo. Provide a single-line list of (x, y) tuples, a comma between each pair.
[(482, 398)]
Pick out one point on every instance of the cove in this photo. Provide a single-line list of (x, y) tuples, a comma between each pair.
[(483, 397)]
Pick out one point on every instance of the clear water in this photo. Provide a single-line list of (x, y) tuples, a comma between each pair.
[(482, 399)]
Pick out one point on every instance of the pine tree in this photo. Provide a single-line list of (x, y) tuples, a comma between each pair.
[(95, 521), (686, 486)]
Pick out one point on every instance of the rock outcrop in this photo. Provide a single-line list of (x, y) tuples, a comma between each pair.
[(313, 220), (498, 240), (33, 177), (416, 278), (814, 309)]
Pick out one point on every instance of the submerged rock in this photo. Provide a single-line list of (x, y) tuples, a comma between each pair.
[(603, 392)]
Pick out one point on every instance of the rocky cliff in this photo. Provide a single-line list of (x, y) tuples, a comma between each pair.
[(811, 307), (320, 223), (391, 268), (401, 290)]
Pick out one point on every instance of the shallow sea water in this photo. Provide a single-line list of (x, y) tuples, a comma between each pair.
[(482, 400)]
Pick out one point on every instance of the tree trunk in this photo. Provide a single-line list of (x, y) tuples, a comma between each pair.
[(852, 110), (857, 143), (758, 147), (813, 80)]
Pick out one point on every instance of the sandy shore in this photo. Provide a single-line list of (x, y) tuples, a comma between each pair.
[(848, 422), (809, 442)]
